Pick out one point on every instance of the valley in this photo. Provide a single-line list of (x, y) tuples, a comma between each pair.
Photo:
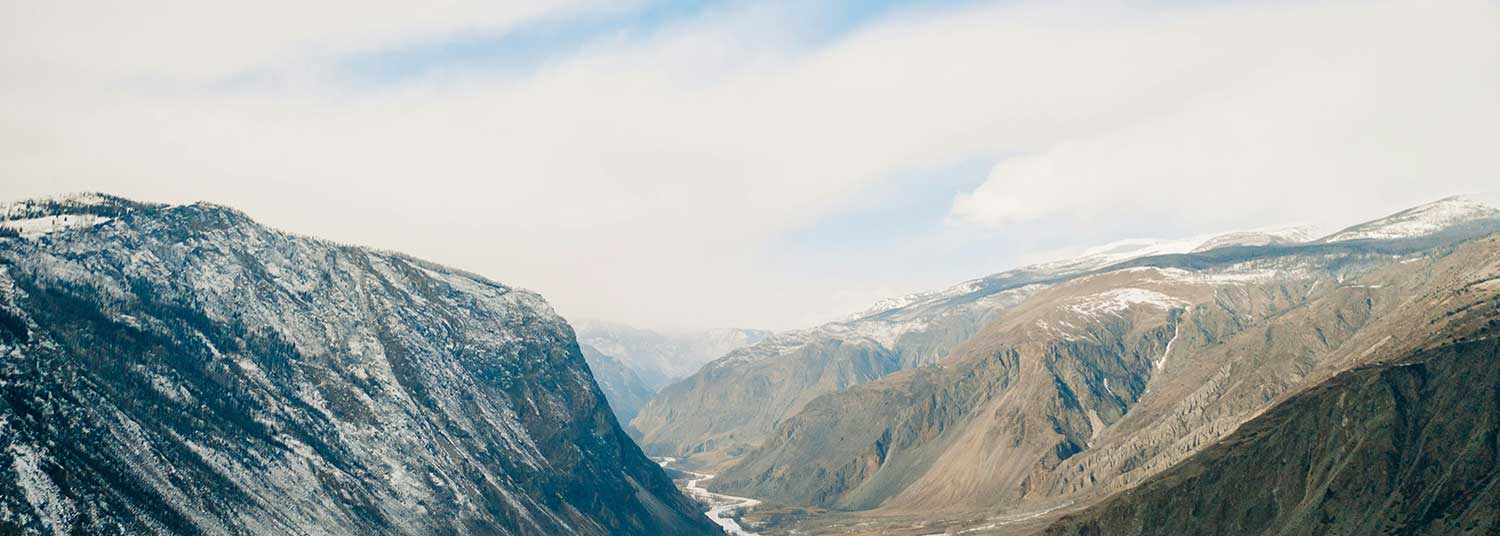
[(1237, 383), (741, 268)]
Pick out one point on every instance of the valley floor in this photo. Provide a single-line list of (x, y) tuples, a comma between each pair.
[(723, 510)]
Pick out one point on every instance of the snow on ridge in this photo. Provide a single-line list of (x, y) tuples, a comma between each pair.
[(76, 199), (1421, 220), (1418, 221), (1260, 237), (35, 227), (886, 331), (1121, 251), (899, 302), (1116, 300)]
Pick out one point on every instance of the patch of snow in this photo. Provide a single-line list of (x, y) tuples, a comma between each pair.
[(1260, 237), (1121, 251), (1116, 300), (56, 511), (35, 227)]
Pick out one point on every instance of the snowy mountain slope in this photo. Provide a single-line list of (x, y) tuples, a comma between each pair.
[(1259, 237), (185, 370), (1424, 220), (36, 217)]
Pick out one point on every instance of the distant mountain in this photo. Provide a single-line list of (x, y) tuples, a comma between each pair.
[(733, 403), (1098, 382), (622, 387), (185, 370), (659, 358)]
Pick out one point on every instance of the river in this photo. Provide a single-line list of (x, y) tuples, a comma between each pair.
[(721, 508)]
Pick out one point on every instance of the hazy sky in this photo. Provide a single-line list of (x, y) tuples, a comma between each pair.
[(758, 164)]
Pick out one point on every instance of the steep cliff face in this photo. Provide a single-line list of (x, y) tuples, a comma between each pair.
[(1095, 384), (185, 370), (1396, 448)]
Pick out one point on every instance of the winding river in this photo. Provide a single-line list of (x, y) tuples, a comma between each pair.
[(721, 508)]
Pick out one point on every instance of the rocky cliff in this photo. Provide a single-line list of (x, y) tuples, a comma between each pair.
[(185, 370)]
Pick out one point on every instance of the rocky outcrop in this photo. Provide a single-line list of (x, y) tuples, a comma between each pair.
[(185, 370)]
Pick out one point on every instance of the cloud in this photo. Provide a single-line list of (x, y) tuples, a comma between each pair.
[(1336, 114), (184, 41), (653, 177)]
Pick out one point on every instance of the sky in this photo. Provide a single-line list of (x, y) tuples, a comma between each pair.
[(685, 165)]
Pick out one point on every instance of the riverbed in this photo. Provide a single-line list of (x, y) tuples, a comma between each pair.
[(721, 508)]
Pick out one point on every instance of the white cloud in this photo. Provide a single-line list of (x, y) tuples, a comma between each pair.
[(648, 179), (175, 41), (1356, 111)]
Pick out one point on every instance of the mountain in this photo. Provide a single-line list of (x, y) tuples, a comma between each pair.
[(1262, 237), (1400, 447), (183, 369), (733, 403), (659, 358), (624, 390), (1452, 214), (1099, 382)]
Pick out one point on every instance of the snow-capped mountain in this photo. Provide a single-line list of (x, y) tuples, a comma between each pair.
[(184, 370), (1260, 237), (1423, 220)]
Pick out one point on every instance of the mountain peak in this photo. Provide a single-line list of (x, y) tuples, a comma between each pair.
[(1423, 220), (1259, 237)]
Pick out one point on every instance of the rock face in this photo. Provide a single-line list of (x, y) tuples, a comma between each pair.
[(1394, 448), (1098, 382), (622, 387), (185, 370)]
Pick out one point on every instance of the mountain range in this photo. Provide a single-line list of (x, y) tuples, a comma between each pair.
[(184, 369), (1007, 401)]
